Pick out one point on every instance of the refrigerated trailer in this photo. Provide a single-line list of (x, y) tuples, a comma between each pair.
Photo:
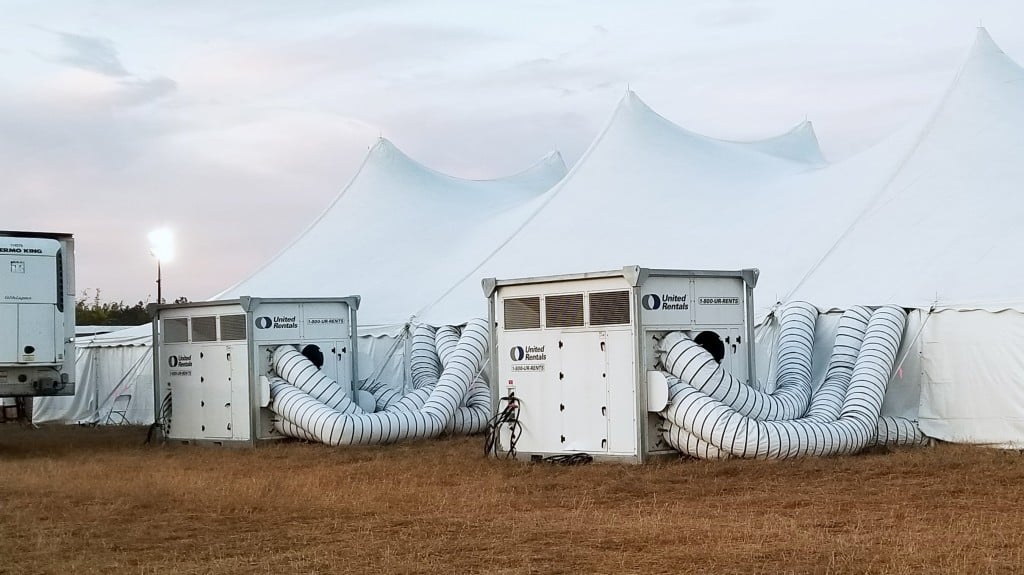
[(37, 314)]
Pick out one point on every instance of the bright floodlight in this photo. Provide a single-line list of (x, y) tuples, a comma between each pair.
[(161, 244)]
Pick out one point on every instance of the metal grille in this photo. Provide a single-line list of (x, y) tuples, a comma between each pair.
[(563, 310), (522, 313), (176, 330), (60, 280), (609, 308), (204, 328), (232, 327)]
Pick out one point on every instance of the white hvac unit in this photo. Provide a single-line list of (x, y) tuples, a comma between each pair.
[(37, 314), (577, 354), (212, 361)]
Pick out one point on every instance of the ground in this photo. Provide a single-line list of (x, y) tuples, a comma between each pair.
[(81, 500)]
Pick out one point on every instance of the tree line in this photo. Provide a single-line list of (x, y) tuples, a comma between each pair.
[(94, 311)]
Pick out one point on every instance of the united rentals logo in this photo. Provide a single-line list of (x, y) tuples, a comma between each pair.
[(277, 322), (528, 353), (179, 365), (179, 361), (653, 302)]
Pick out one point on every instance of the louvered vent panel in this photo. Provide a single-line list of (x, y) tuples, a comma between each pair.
[(232, 327), (609, 308), (522, 313), (176, 330), (563, 310), (204, 328)]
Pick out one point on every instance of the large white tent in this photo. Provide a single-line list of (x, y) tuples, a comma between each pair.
[(924, 219)]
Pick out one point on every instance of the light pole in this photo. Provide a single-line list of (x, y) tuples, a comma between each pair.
[(161, 246)]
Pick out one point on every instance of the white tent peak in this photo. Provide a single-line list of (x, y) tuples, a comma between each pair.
[(799, 143), (984, 46), (389, 158)]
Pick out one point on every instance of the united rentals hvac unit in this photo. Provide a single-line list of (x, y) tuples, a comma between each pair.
[(577, 354), (212, 361), (37, 314)]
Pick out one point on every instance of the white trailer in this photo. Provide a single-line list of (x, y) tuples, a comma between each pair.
[(37, 314), (577, 354)]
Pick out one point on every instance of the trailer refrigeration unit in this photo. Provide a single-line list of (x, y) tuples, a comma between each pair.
[(212, 362), (577, 354), (37, 314)]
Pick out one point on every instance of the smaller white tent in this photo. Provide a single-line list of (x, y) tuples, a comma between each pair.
[(113, 382)]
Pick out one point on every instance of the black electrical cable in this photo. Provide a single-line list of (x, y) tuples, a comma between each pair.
[(569, 459), (161, 422), (509, 415)]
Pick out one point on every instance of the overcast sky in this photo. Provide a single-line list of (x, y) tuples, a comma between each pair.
[(236, 123)]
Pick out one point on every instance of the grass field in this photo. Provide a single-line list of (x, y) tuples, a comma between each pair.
[(80, 500)]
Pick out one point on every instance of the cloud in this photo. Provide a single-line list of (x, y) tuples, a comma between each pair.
[(115, 82), (91, 53), (138, 91)]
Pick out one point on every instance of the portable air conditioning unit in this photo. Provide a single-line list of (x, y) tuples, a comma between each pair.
[(37, 314), (212, 361), (577, 354)]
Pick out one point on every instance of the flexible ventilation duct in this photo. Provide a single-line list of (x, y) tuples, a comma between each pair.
[(692, 363), (424, 364), (712, 415), (310, 407)]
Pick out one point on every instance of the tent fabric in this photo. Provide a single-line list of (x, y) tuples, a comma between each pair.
[(113, 385), (650, 193), (973, 377), (945, 229), (389, 235)]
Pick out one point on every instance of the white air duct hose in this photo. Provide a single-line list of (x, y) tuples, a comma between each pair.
[(474, 410), (471, 417), (692, 414), (688, 361), (826, 402), (445, 340), (321, 423), (296, 369), (899, 431), (423, 361)]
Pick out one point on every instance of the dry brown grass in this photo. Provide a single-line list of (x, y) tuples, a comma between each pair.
[(77, 500)]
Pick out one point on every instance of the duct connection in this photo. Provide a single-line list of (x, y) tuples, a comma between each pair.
[(712, 415), (449, 395)]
